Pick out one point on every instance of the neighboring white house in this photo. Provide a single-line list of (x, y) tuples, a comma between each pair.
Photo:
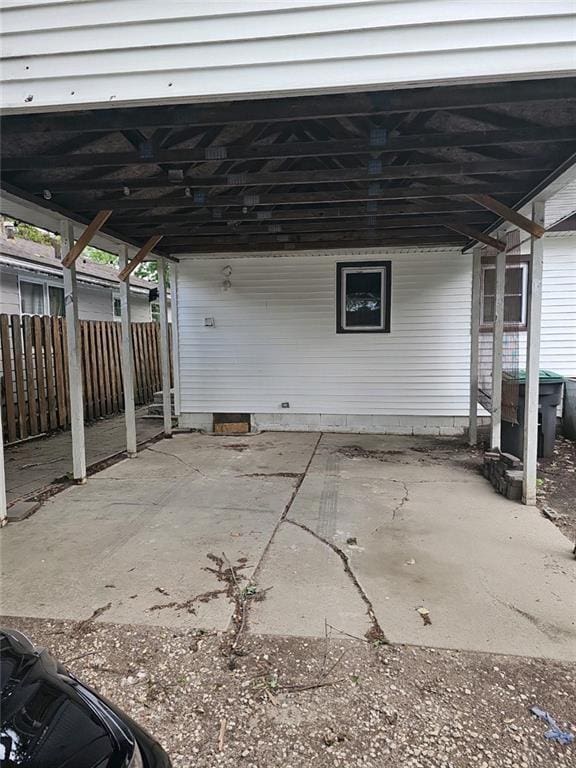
[(31, 283)]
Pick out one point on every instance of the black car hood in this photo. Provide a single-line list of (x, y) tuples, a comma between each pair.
[(49, 719)]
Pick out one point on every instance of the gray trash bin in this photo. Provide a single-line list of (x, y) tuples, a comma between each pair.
[(549, 397)]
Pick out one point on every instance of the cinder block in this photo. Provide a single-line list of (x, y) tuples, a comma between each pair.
[(510, 461), (21, 510)]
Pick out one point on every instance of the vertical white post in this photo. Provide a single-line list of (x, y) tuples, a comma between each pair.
[(2, 477), (497, 350), (74, 360), (127, 360), (533, 360), (164, 349), (175, 339), (474, 344)]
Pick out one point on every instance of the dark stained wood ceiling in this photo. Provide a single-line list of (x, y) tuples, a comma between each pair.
[(345, 170)]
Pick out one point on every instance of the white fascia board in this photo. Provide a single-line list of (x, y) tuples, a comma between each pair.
[(38, 216)]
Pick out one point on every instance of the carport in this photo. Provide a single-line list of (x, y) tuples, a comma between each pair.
[(449, 165)]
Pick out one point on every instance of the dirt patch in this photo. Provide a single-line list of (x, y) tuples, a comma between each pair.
[(377, 707), (235, 446), (358, 452), (557, 478)]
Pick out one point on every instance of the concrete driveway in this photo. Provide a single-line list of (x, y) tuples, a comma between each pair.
[(369, 534)]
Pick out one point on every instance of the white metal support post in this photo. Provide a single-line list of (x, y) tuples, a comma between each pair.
[(2, 477), (475, 345), (533, 360), (175, 338), (74, 359), (497, 350), (127, 360), (165, 349)]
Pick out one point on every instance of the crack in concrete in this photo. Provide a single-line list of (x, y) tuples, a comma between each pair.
[(375, 632), (403, 500)]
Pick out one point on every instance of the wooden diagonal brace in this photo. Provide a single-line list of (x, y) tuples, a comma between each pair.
[(464, 229), (140, 256), (95, 225), (508, 214)]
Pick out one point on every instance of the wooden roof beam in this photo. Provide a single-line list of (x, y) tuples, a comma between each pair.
[(508, 214), (148, 246), (95, 226), (464, 229), (240, 150)]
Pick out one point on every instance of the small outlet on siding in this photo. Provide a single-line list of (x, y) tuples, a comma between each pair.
[(285, 405), (209, 322)]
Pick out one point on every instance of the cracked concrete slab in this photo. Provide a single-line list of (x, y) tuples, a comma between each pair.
[(309, 587), (413, 521), (145, 523)]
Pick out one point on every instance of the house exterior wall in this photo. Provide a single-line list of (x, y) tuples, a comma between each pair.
[(94, 302), (66, 54), (275, 341)]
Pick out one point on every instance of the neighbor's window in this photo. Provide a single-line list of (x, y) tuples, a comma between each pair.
[(41, 299), (56, 300), (155, 311), (514, 295), (31, 298), (363, 300), (117, 306)]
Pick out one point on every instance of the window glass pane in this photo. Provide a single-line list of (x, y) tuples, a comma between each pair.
[(513, 309), (489, 282), (488, 309), (32, 298), (155, 309), (513, 280), (363, 299), (56, 298), (117, 307)]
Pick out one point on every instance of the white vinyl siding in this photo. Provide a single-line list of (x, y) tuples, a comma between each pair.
[(9, 296), (275, 339), (69, 53), (558, 346)]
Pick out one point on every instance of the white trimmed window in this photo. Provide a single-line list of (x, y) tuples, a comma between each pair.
[(515, 293)]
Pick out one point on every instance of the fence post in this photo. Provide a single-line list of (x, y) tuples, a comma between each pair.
[(164, 349), (127, 360), (74, 359)]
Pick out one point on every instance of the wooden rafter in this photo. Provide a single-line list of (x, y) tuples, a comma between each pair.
[(508, 214), (148, 246), (362, 173), (474, 234), (242, 150), (95, 225)]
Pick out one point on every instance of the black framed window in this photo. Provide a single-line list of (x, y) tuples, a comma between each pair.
[(363, 297)]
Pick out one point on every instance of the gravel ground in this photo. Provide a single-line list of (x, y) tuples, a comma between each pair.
[(558, 488), (295, 702)]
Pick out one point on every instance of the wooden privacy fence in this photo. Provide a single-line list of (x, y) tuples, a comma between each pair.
[(34, 360)]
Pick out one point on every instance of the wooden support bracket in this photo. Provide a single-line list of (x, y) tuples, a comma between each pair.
[(464, 229), (95, 225), (508, 214), (140, 256)]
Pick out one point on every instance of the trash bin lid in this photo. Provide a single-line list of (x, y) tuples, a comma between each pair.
[(546, 377)]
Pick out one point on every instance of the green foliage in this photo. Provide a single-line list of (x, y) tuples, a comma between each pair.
[(28, 232), (148, 270), (101, 257)]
